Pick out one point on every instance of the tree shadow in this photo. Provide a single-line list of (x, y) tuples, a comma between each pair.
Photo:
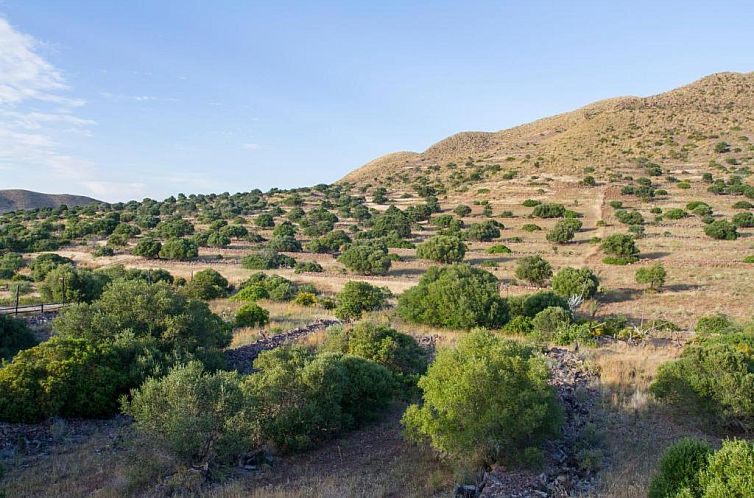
[(620, 295), (681, 287), (653, 255)]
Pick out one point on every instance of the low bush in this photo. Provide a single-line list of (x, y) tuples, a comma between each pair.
[(653, 276), (179, 250), (549, 211), (534, 269), (308, 267), (358, 297), (486, 401), (15, 336), (442, 249), (202, 418), (721, 230), (455, 296), (713, 379), (499, 249), (366, 259), (252, 315), (581, 282), (399, 353), (680, 466), (267, 259), (206, 284)]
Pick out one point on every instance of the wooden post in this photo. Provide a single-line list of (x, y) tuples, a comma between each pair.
[(18, 288)]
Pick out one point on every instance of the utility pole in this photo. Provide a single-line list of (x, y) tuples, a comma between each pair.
[(18, 289)]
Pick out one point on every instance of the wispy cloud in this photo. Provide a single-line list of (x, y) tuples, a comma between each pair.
[(36, 114), (135, 98), (251, 146)]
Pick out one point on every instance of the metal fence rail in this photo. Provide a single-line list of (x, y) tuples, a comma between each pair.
[(28, 309)]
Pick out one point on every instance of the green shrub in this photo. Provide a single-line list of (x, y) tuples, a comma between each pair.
[(679, 468), (45, 263), (63, 376), (179, 250), (547, 322), (10, 263), (530, 304), (653, 276), (713, 378), (284, 244), (485, 231), (206, 284), (357, 297), (485, 401), (264, 220), (569, 282), (15, 336), (721, 230), (399, 353), (442, 249), (302, 399), (499, 249), (564, 231), (305, 299), (71, 285), (267, 259), (103, 251), (142, 318), (534, 269), (308, 267), (749, 259), (462, 210), (455, 296), (530, 227), (549, 211), (675, 214), (715, 324), (531, 203), (743, 220), (366, 259), (252, 315), (251, 292), (621, 247), (729, 471), (330, 243), (202, 418)]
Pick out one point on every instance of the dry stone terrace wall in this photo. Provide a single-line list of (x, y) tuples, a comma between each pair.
[(243, 357)]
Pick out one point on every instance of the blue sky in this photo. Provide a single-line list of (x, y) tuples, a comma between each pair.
[(124, 100)]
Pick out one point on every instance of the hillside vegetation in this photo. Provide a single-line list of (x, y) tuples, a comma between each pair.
[(16, 200)]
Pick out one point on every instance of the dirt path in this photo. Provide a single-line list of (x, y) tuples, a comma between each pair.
[(597, 210)]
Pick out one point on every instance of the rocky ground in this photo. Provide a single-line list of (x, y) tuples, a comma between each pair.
[(569, 462), (243, 357)]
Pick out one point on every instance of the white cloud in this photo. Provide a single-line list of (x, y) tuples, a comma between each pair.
[(251, 146), (121, 190)]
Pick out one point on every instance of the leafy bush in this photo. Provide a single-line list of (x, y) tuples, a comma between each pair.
[(392, 220), (653, 276), (15, 336), (569, 282), (71, 285), (147, 319), (442, 249), (302, 399), (10, 263), (547, 322), (487, 400), (272, 287), (252, 315), (530, 304), (264, 220), (729, 471), (499, 249), (330, 243), (399, 353), (357, 297), (530, 227), (267, 259), (721, 230), (713, 378), (679, 468), (462, 210), (206, 284), (621, 247), (549, 211), (202, 418), (179, 250), (455, 296), (284, 244), (531, 203), (45, 263), (485, 231), (305, 299), (308, 267), (715, 324), (534, 269), (629, 217), (743, 220), (675, 214), (564, 231), (366, 259), (63, 376)]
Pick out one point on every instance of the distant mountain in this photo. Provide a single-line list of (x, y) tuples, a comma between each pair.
[(678, 129), (16, 199)]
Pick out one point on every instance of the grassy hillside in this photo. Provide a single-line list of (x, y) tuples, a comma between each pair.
[(677, 129), (15, 200)]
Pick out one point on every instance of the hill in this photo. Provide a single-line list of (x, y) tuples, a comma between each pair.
[(679, 128), (16, 199)]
